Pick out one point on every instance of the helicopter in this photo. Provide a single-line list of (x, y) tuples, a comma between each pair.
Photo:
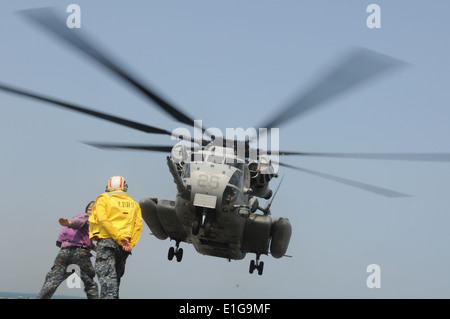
[(219, 180)]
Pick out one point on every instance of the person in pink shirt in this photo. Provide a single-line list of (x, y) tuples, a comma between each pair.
[(74, 254)]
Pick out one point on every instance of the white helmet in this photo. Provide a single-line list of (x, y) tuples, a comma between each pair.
[(116, 183)]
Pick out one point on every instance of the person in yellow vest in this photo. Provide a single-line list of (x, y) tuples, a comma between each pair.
[(116, 224)]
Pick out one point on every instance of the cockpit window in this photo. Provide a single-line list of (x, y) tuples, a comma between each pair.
[(229, 195), (187, 171), (236, 179), (240, 166)]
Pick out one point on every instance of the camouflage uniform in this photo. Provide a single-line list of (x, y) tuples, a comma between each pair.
[(58, 273), (110, 267)]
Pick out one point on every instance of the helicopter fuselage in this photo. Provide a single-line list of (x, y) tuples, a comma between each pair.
[(213, 211)]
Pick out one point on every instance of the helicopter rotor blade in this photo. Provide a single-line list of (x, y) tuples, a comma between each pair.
[(426, 157), (51, 22), (152, 148), (367, 187), (104, 116), (357, 67)]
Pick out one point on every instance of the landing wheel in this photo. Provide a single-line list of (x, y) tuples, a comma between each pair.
[(260, 268), (203, 220), (195, 227), (207, 229), (256, 264), (171, 253), (179, 254), (252, 266), (175, 252)]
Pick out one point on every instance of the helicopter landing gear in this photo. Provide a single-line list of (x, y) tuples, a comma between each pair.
[(175, 252), (207, 228), (256, 264), (202, 221), (195, 227)]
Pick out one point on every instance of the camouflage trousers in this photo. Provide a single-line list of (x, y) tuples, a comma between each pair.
[(59, 272), (110, 267)]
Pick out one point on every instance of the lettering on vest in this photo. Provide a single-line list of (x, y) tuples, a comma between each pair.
[(125, 204)]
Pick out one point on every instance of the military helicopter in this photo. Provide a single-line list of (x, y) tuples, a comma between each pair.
[(219, 180)]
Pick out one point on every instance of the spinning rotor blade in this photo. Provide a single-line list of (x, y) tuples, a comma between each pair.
[(367, 187), (48, 20), (104, 116), (153, 148), (427, 157), (358, 67)]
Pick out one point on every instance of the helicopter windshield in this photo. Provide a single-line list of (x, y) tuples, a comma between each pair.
[(223, 160), (219, 155), (235, 188), (236, 179), (186, 171)]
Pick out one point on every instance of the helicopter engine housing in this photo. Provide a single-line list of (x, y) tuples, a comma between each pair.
[(150, 216), (281, 235), (263, 231), (261, 174), (261, 190)]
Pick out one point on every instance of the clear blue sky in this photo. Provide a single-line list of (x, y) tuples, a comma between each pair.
[(234, 64)]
